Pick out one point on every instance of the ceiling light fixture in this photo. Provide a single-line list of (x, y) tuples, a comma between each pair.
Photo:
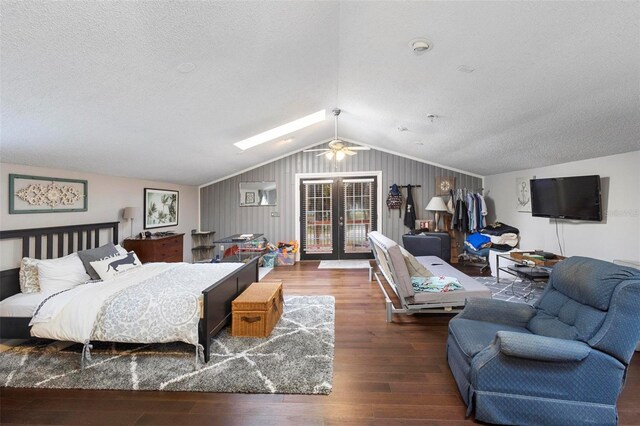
[(337, 148), (280, 131), (420, 45), (432, 117)]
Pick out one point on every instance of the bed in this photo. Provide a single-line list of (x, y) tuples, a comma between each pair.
[(56, 242)]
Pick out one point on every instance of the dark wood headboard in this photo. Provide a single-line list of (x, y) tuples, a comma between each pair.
[(79, 237)]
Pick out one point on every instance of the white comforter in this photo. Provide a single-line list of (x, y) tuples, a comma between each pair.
[(156, 303)]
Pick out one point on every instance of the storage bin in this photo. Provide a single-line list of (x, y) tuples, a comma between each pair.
[(257, 310), (285, 259), (269, 260)]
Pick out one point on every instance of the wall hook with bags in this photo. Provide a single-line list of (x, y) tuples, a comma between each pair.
[(394, 199)]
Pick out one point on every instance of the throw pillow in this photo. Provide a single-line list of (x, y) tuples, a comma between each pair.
[(60, 274), (112, 267), (29, 275), (415, 268), (98, 253)]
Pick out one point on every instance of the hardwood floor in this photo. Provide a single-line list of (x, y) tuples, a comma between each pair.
[(383, 374)]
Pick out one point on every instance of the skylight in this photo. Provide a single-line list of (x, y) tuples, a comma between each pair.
[(280, 131)]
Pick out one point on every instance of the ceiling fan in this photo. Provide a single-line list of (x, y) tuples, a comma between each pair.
[(337, 149)]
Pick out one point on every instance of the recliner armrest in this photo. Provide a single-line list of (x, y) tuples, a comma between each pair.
[(497, 311), (540, 348)]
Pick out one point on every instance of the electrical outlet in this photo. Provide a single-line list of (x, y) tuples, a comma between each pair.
[(275, 214)]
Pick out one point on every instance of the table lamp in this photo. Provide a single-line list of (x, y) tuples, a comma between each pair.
[(436, 205), (130, 213)]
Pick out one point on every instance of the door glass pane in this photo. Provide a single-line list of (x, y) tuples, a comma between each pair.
[(358, 216), (318, 218)]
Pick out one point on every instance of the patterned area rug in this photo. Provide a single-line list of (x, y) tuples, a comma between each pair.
[(296, 359), (513, 291)]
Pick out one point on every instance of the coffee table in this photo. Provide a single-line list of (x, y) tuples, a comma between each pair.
[(524, 269)]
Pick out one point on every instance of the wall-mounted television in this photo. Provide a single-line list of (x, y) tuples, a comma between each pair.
[(575, 197)]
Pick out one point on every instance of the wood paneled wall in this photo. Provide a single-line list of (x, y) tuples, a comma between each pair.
[(220, 202)]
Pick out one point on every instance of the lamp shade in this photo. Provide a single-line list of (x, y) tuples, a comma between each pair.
[(436, 205), (130, 212)]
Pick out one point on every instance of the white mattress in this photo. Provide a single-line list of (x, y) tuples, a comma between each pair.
[(21, 304), (437, 266)]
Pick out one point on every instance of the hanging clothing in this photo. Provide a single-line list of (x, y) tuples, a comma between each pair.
[(476, 199), (471, 213), (456, 220), (410, 210), (464, 215), (483, 210), (394, 199), (451, 204)]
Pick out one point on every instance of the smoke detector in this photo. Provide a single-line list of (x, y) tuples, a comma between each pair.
[(420, 45)]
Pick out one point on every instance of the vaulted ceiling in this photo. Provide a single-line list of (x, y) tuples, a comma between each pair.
[(101, 87)]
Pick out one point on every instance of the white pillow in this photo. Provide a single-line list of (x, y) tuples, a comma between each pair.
[(60, 274), (114, 266), (121, 249)]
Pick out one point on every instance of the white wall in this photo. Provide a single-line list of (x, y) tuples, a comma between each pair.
[(616, 237), (108, 195)]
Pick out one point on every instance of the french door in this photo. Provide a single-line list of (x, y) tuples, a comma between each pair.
[(336, 216)]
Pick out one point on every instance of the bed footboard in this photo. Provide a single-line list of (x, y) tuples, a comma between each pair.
[(217, 302)]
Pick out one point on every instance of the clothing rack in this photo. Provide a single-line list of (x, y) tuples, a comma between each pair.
[(465, 191), (406, 186)]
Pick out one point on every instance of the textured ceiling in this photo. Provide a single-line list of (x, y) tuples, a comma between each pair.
[(95, 86)]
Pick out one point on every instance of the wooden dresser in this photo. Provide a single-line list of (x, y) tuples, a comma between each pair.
[(156, 249), (454, 238)]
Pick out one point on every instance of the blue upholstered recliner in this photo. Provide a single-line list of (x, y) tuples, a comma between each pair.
[(563, 361)]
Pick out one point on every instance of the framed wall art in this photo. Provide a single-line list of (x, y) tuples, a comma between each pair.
[(161, 208), (444, 184), (40, 194), (523, 195), (249, 198)]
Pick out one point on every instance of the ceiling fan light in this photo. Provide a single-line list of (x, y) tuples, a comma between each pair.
[(329, 155), (340, 155)]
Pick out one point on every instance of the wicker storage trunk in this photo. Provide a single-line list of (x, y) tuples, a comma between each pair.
[(257, 310)]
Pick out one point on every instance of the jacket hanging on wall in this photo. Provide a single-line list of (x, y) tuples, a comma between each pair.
[(410, 210), (394, 199)]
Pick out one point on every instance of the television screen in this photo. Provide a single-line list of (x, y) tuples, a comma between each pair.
[(576, 197)]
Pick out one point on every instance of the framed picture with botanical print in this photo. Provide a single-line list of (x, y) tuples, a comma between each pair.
[(161, 208)]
